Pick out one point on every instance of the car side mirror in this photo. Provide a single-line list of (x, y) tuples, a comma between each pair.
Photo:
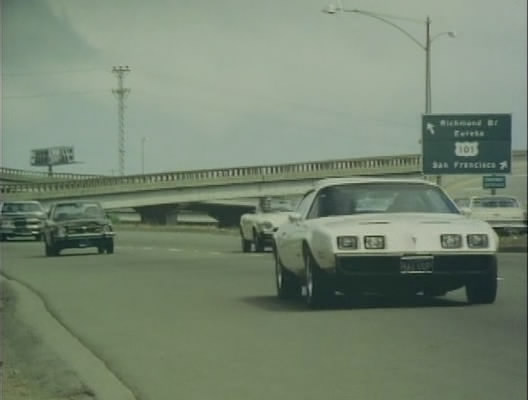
[(294, 217)]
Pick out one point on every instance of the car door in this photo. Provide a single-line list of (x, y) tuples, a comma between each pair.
[(291, 234)]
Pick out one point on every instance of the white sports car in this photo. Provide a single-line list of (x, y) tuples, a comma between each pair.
[(354, 235)]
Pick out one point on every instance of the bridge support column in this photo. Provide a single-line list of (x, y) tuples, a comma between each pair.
[(157, 215)]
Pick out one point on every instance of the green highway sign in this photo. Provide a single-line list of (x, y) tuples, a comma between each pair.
[(493, 182), (466, 144)]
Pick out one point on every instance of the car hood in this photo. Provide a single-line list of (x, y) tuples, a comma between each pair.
[(403, 231), (275, 219), (35, 214), (83, 222)]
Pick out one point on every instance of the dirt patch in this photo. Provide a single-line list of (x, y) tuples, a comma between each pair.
[(30, 371)]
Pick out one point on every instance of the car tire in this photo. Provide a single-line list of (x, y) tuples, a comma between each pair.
[(51, 250), (319, 291), (259, 245), (246, 244), (483, 289), (110, 246), (100, 249), (38, 237), (287, 284)]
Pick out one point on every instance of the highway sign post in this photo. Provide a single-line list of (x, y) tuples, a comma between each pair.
[(493, 182), (466, 144)]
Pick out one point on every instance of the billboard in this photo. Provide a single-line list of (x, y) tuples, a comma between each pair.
[(52, 156)]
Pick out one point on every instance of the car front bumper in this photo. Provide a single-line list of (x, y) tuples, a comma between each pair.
[(24, 230), (82, 240), (385, 272)]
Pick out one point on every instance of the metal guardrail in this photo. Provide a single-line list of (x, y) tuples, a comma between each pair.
[(294, 171), (96, 185), (13, 173)]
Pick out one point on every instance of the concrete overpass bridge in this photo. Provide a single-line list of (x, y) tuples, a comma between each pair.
[(223, 193)]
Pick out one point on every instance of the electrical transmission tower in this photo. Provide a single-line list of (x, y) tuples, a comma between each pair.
[(121, 94)]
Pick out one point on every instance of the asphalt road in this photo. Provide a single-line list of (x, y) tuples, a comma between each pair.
[(188, 316)]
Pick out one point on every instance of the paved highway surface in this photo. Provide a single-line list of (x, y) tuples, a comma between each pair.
[(188, 316)]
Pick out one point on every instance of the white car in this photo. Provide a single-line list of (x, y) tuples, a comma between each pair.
[(504, 213), (404, 236), (256, 229)]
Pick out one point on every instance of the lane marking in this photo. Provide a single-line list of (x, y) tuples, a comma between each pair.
[(175, 250), (146, 248)]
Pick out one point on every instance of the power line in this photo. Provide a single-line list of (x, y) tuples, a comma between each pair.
[(38, 95), (70, 71)]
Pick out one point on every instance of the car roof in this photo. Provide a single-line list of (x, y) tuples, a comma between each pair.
[(20, 202), (358, 180)]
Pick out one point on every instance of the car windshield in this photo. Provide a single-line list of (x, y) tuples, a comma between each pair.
[(381, 198), (70, 211), (276, 205), (20, 208), (495, 202)]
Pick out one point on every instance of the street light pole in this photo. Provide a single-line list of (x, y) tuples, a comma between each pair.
[(143, 155), (331, 9)]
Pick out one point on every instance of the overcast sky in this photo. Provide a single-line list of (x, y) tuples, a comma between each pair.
[(218, 83)]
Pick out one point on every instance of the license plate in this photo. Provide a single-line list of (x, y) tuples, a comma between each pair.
[(416, 265)]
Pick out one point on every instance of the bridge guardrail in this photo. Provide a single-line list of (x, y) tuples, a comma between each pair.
[(368, 166), (14, 172)]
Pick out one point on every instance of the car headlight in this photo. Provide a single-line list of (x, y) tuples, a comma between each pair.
[(451, 241), (374, 242), (347, 242), (61, 231), (477, 241), (8, 224), (107, 229)]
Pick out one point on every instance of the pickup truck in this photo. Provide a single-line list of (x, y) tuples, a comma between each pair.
[(256, 229), (21, 218), (504, 213)]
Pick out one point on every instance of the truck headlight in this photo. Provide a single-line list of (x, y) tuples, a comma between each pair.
[(374, 242), (477, 241), (8, 224), (347, 242), (451, 241)]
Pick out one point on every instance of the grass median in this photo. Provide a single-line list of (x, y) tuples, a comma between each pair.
[(29, 370)]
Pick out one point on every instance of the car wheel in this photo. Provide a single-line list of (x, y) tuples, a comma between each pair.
[(483, 289), (51, 250), (110, 246), (319, 291), (259, 246), (246, 244), (100, 249), (38, 237), (287, 284)]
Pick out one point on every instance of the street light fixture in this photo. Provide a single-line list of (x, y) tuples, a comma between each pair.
[(426, 46)]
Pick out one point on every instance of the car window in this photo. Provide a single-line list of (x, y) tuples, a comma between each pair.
[(462, 202), (69, 211), (20, 207), (351, 199), (304, 205)]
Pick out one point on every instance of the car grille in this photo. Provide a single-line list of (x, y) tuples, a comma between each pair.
[(87, 228), (20, 222), (391, 264)]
